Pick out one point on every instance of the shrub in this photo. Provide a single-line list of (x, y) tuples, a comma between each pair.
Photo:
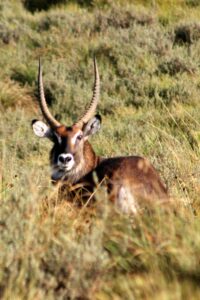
[(192, 3), (175, 66), (24, 74), (187, 33), (37, 5), (7, 35)]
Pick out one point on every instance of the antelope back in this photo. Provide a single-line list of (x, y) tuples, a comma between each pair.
[(130, 181)]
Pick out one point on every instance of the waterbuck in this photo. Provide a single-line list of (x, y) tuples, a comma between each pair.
[(73, 160)]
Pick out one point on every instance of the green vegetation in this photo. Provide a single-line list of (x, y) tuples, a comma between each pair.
[(148, 57)]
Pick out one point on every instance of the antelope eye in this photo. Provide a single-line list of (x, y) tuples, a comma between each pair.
[(79, 137)]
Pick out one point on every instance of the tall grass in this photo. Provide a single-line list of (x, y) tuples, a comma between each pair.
[(50, 249)]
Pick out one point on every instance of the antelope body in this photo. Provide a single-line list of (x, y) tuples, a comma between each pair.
[(73, 159)]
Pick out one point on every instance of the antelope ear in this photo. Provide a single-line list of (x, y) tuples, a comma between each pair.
[(42, 130), (92, 126)]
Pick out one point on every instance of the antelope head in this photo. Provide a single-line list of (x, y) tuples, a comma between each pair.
[(71, 156)]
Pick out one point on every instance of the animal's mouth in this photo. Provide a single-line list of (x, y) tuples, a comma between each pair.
[(64, 168), (59, 172)]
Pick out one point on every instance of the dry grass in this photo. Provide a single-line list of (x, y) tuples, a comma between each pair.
[(52, 249)]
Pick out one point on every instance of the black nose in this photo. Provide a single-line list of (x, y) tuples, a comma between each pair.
[(68, 158), (64, 159)]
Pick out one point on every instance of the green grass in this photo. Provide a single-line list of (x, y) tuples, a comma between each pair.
[(150, 86)]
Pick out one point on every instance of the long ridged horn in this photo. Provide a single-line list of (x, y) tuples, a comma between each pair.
[(90, 111), (42, 101)]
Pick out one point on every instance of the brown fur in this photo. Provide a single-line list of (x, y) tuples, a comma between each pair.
[(133, 174), (73, 159), (136, 173)]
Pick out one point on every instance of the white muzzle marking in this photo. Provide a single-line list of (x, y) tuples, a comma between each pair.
[(66, 161)]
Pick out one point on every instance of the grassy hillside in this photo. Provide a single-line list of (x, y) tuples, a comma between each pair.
[(148, 57)]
